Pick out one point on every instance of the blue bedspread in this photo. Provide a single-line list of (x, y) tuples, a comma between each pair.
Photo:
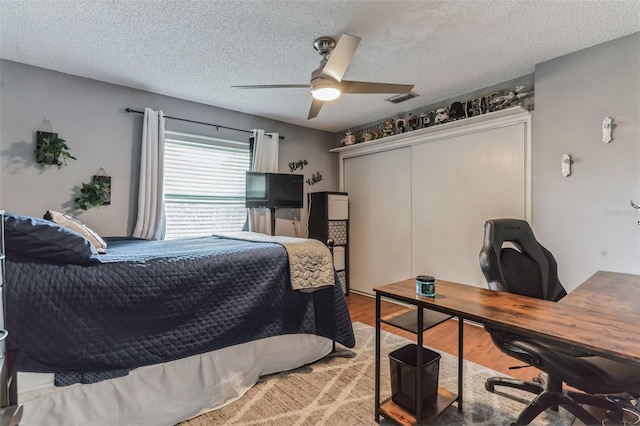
[(155, 301)]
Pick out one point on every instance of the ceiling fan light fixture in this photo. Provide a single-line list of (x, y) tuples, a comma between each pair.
[(325, 92)]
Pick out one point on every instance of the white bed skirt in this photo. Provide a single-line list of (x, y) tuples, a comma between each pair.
[(164, 394)]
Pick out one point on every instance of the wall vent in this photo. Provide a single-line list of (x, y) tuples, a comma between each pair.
[(402, 97)]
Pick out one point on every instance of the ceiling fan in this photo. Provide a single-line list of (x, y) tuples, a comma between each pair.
[(326, 81)]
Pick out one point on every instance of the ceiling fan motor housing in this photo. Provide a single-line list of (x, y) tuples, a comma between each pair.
[(324, 45), (318, 77)]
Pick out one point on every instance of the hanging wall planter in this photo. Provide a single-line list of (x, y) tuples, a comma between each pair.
[(50, 149), (95, 193)]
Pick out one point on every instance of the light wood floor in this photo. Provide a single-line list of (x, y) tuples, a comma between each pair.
[(478, 347)]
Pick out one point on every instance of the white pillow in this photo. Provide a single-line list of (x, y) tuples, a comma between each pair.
[(76, 225)]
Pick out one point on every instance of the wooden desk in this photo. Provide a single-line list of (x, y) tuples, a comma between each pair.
[(608, 294), (601, 317)]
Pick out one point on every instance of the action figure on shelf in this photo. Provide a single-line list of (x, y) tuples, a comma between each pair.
[(476, 106), (401, 125), (349, 138), (425, 121), (387, 130), (413, 121), (512, 98), (442, 116), (456, 111)]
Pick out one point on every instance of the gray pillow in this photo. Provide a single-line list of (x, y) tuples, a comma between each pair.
[(41, 240)]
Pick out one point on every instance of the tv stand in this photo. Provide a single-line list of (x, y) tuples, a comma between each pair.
[(273, 220)]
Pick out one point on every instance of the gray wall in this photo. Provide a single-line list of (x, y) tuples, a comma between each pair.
[(585, 219), (90, 116)]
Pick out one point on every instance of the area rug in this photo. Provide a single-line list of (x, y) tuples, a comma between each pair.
[(339, 390)]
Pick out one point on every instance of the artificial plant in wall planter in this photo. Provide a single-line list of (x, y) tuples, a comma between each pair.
[(50, 149), (94, 194)]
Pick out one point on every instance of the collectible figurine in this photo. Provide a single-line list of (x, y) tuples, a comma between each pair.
[(349, 138), (475, 107), (512, 98), (401, 125), (424, 120), (413, 121), (387, 130), (442, 116), (456, 112)]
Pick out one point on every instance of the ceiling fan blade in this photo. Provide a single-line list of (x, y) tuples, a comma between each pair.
[(369, 87), (340, 58), (315, 108), (272, 86)]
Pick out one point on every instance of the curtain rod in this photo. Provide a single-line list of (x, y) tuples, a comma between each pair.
[(217, 126)]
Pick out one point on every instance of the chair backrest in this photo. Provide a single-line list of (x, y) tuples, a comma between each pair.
[(531, 270)]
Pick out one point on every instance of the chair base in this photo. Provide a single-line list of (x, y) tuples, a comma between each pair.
[(535, 387), (492, 382), (572, 402)]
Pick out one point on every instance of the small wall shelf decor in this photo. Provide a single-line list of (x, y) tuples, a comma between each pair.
[(637, 207), (295, 165), (50, 149), (606, 129), (95, 193), (45, 131), (315, 178), (566, 165)]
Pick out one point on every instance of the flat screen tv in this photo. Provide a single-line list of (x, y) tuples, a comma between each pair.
[(279, 190)]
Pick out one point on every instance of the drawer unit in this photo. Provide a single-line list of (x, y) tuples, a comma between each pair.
[(329, 220)]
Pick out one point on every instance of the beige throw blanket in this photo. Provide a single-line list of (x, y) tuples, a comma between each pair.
[(310, 261)]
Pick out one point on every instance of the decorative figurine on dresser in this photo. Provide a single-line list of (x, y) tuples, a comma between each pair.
[(329, 220)]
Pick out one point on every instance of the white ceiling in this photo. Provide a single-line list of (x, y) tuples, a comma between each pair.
[(197, 49)]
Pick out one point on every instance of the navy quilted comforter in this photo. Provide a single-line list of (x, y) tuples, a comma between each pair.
[(155, 301)]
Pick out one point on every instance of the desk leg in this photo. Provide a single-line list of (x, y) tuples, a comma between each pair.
[(377, 376), (460, 361)]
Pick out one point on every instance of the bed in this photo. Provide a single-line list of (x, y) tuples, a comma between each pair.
[(165, 330)]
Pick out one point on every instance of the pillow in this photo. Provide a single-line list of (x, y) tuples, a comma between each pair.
[(35, 238), (78, 226)]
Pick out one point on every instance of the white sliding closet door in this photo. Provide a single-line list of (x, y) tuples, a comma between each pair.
[(459, 183), (379, 187)]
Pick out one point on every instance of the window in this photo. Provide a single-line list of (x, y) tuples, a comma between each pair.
[(204, 180)]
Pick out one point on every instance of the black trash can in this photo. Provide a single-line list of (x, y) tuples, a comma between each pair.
[(403, 363)]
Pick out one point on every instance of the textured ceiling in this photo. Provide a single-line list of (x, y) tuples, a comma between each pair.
[(196, 49)]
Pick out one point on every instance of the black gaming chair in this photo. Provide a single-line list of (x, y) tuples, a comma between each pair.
[(531, 270)]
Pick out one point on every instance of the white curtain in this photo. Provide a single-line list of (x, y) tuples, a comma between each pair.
[(265, 159), (150, 222)]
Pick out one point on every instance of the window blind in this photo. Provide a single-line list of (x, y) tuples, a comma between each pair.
[(204, 184)]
